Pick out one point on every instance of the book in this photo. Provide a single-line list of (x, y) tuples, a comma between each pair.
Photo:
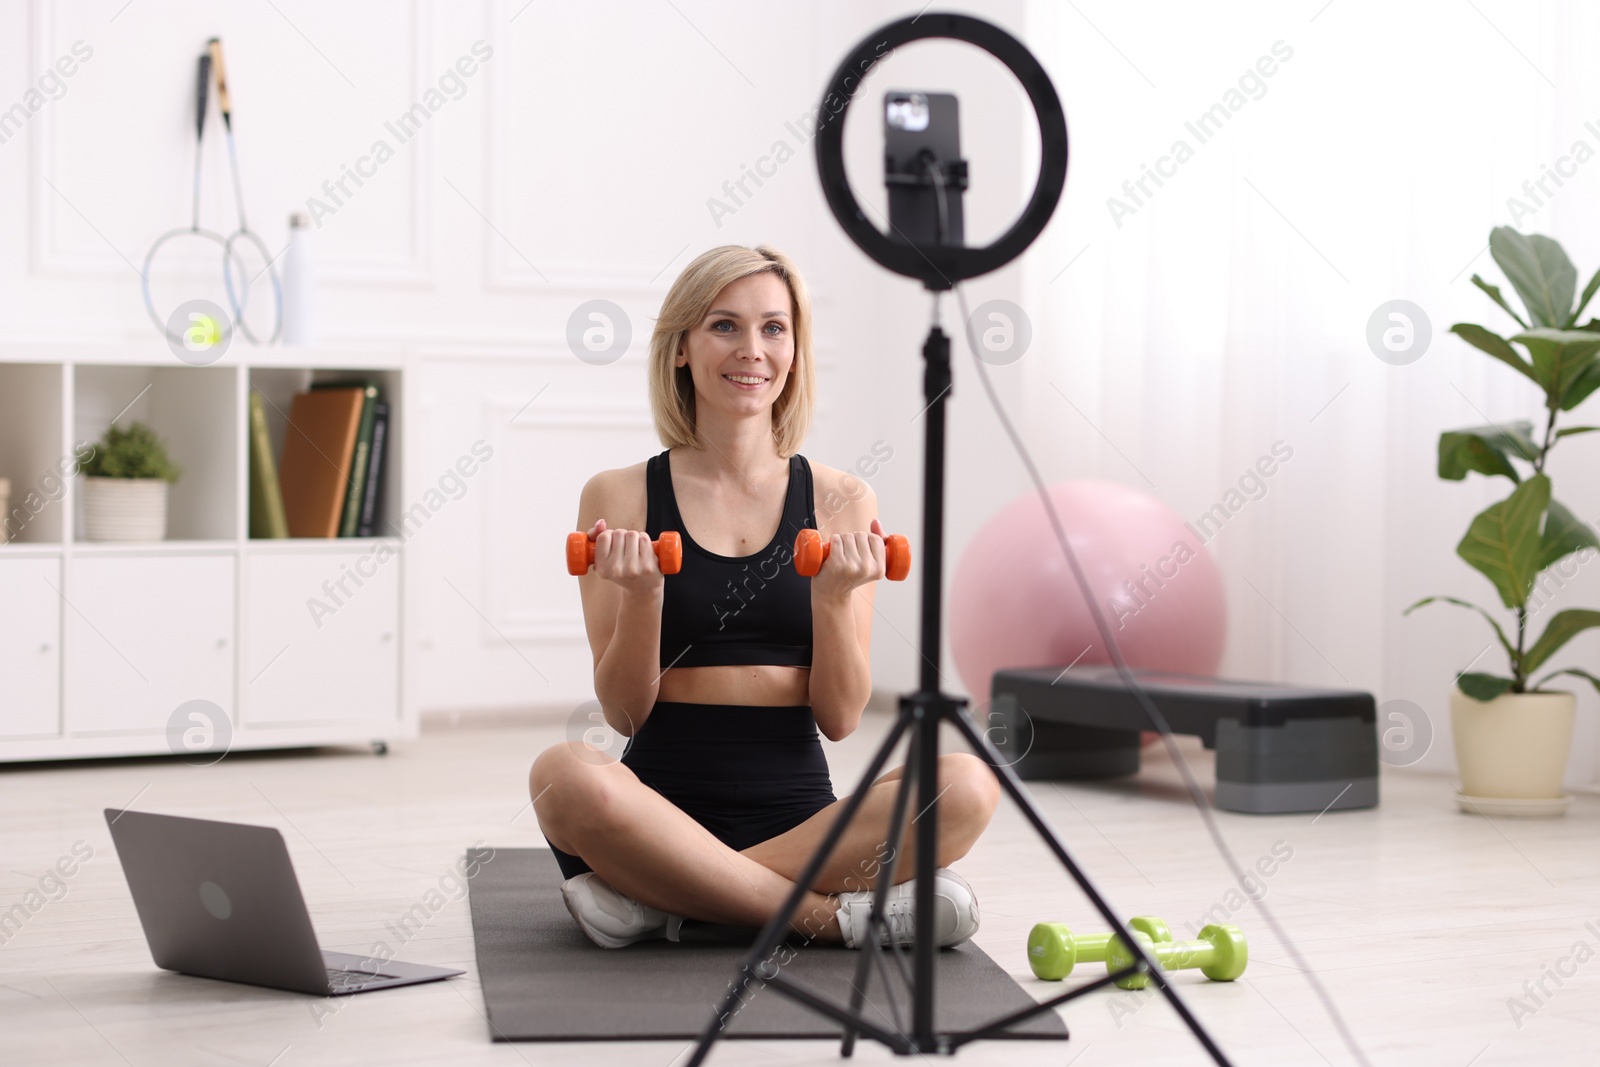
[(350, 520), (350, 516), (372, 492), (318, 454), (267, 518)]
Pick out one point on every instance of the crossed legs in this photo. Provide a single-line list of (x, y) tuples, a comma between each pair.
[(648, 849)]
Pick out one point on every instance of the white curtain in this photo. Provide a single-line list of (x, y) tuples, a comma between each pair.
[(1355, 153)]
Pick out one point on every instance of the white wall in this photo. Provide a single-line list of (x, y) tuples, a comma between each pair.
[(577, 164)]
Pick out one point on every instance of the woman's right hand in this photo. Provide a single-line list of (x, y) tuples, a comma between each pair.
[(625, 557)]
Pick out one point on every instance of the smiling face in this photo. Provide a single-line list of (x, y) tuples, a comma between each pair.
[(740, 352)]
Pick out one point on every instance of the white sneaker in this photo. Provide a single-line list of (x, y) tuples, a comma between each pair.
[(610, 919), (955, 912)]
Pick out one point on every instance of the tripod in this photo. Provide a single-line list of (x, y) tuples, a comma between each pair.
[(921, 713)]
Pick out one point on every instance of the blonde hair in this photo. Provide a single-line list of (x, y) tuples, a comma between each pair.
[(672, 388)]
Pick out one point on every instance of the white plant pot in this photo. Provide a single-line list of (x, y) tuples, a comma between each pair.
[(1514, 746), (124, 509)]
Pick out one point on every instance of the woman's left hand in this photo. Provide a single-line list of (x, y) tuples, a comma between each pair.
[(853, 559)]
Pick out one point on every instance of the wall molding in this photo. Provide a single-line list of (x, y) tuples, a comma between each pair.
[(500, 269), (504, 416)]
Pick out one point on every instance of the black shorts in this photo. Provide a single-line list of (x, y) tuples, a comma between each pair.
[(746, 773)]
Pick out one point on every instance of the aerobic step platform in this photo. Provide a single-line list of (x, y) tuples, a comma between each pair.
[(1280, 748)]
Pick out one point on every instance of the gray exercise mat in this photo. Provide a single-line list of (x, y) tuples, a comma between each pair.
[(544, 980)]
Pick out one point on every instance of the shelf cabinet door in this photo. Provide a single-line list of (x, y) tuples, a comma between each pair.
[(30, 648), (319, 647), (145, 635)]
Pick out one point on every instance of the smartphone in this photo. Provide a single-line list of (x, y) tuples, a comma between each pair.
[(917, 125)]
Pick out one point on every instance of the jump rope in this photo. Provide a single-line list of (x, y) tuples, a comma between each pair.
[(1109, 640)]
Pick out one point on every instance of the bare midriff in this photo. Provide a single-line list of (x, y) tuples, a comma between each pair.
[(769, 685)]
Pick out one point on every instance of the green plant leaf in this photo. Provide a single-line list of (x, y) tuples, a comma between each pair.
[(1568, 670), (1583, 301), (136, 452), (1498, 632), (1483, 686), (1582, 385), (1503, 540), (1539, 270), (1563, 628), (1570, 430), (1495, 345), (1564, 533), (1559, 357), (1486, 449), (1494, 294)]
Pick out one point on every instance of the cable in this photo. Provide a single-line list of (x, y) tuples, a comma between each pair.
[(935, 176), (936, 173), (1108, 638)]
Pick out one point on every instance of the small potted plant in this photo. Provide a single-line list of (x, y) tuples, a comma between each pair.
[(125, 486), (1512, 735)]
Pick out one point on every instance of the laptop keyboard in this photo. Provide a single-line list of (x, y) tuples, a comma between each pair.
[(340, 980)]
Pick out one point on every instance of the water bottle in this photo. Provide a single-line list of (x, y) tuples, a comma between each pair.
[(299, 284)]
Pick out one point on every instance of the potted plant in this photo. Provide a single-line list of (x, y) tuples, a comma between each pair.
[(1512, 735), (125, 486)]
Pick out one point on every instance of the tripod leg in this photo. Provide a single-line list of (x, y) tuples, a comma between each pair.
[(879, 892), (775, 930), (1013, 786), (923, 1031)]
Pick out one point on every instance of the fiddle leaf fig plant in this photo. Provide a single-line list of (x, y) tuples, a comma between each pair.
[(1516, 540)]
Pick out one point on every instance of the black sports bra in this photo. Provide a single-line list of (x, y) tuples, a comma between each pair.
[(738, 610)]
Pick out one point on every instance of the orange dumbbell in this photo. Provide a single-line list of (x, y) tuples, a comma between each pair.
[(580, 552), (811, 552)]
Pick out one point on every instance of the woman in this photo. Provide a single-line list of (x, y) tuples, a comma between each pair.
[(723, 673)]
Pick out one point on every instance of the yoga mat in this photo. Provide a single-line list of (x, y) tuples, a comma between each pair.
[(544, 980)]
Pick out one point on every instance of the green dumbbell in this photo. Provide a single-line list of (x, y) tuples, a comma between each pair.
[(1220, 954), (1053, 950)]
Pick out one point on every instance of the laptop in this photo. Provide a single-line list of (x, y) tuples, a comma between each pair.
[(220, 900)]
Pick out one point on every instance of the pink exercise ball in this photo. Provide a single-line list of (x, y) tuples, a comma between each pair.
[(1014, 602)]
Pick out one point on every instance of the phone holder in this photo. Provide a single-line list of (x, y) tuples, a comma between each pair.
[(948, 179), (955, 174)]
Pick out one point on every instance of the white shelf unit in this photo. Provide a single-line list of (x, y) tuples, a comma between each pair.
[(101, 643)]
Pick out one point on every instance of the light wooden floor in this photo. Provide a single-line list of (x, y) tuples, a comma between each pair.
[(1423, 923)]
